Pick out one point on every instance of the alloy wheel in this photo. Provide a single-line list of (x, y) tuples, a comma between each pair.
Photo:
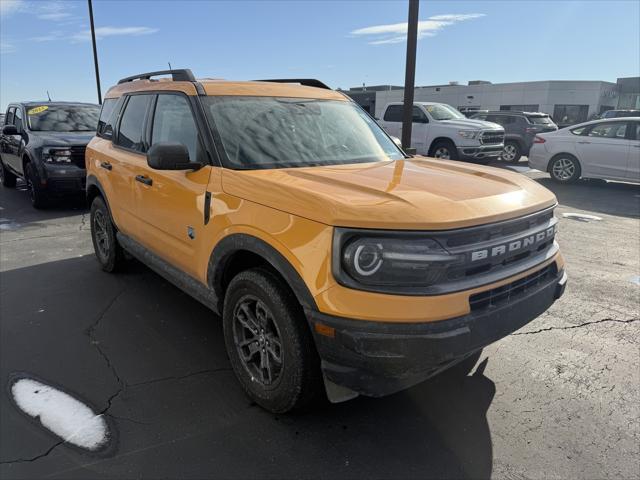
[(443, 153), (563, 169), (257, 340), (101, 233), (509, 153)]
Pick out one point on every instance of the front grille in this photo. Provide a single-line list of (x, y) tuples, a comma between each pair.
[(77, 156), (492, 138), (511, 291)]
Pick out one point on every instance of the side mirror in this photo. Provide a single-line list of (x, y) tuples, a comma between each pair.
[(9, 130), (397, 141), (170, 156)]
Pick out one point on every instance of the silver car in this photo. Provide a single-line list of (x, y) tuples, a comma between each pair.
[(608, 149)]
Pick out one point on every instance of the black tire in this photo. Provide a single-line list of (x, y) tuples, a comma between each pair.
[(7, 178), (463, 368), (444, 149), (108, 251), (564, 168), (259, 314), (37, 194), (512, 152)]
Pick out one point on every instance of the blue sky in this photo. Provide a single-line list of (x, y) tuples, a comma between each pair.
[(44, 45)]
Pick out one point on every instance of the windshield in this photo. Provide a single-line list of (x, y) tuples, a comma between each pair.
[(63, 118), (540, 120), (268, 132), (443, 112)]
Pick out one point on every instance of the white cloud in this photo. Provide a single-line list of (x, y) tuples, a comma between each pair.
[(53, 10), (6, 48), (103, 32), (7, 7), (54, 16), (397, 32)]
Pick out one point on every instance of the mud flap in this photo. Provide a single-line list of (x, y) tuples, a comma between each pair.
[(337, 393)]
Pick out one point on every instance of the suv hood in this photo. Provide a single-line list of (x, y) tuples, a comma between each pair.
[(63, 138), (416, 194), (469, 123)]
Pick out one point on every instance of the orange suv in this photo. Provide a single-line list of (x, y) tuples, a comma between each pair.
[(338, 263)]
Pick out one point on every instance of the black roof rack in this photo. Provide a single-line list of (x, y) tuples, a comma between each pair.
[(180, 75), (307, 82)]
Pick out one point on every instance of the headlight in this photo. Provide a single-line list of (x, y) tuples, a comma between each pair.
[(469, 134), (56, 155), (369, 260)]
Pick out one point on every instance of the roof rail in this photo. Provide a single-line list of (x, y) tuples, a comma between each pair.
[(180, 75), (307, 82)]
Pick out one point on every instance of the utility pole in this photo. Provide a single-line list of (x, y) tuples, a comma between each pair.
[(410, 73), (95, 51)]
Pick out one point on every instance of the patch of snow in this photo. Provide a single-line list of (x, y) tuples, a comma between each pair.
[(581, 217), (635, 279), (65, 416)]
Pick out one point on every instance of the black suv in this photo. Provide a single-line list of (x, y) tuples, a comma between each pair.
[(44, 143), (520, 129)]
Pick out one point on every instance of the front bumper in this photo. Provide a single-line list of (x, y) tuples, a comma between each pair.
[(481, 151), (380, 358), (64, 179)]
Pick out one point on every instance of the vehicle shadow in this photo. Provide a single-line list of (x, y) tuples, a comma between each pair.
[(601, 196), (180, 411), (15, 204)]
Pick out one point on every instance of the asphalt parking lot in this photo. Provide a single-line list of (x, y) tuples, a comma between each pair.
[(558, 399)]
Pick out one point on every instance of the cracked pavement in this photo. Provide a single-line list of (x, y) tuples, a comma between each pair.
[(558, 399)]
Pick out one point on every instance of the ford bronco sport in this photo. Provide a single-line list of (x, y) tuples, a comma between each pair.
[(338, 263)]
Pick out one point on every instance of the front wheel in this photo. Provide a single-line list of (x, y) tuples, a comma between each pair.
[(565, 169), (269, 343), (444, 150), (511, 152), (108, 251), (36, 193)]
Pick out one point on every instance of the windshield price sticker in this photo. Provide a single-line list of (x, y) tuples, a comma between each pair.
[(37, 110)]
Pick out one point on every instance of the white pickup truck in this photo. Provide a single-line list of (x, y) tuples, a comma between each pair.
[(441, 131)]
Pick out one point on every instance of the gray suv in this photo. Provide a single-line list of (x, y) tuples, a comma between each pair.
[(520, 130)]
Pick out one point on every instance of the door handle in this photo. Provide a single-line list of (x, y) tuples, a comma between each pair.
[(584, 143), (144, 179), (106, 165)]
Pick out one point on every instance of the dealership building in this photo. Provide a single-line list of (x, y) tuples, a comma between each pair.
[(569, 102)]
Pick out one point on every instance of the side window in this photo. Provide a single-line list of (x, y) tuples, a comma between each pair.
[(579, 130), (105, 126), (17, 120), (637, 137), (418, 116), (173, 122), (609, 130), (10, 115), (130, 132), (393, 113)]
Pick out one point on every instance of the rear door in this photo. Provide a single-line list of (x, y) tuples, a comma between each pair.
[(604, 150), (392, 120), (170, 204), (13, 143), (392, 123)]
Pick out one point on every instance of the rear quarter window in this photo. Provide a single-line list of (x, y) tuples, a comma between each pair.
[(105, 123)]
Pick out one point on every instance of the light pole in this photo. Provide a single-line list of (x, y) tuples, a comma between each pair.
[(410, 72), (95, 52)]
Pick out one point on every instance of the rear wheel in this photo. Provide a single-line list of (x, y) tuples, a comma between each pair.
[(511, 152), (565, 169), (108, 251), (7, 178), (444, 149), (269, 343), (36, 193)]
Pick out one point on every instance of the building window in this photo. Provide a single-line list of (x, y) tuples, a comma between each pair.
[(570, 114), (521, 108)]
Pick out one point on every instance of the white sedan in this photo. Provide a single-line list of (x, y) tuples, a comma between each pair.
[(608, 149)]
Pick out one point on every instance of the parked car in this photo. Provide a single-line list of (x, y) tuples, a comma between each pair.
[(620, 114), (337, 262), (44, 143), (441, 131), (520, 129), (608, 149)]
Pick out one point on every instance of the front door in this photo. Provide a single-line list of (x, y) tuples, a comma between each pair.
[(14, 143), (169, 203), (604, 151), (633, 171)]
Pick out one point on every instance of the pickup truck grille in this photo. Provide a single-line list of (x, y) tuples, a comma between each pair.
[(492, 137), (77, 156)]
